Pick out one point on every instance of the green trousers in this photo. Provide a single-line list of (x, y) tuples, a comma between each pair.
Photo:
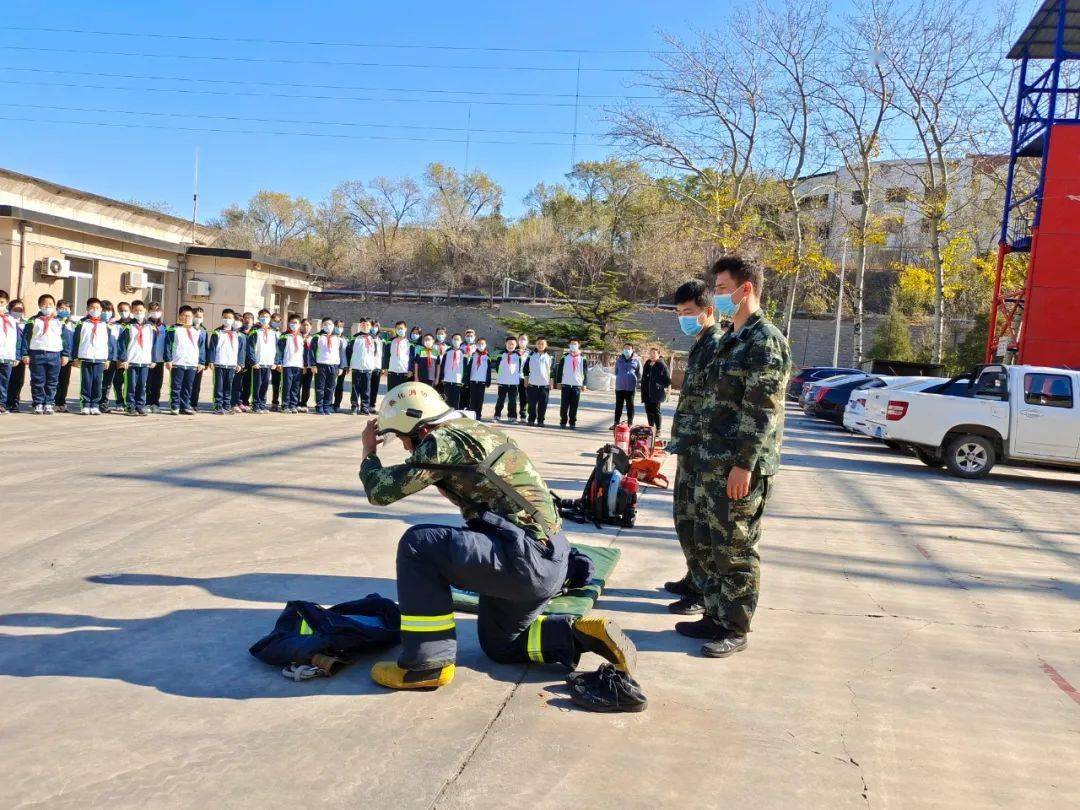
[(719, 538)]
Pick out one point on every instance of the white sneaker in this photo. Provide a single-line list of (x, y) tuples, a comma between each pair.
[(85, 411), (39, 409), (50, 409), (95, 411)]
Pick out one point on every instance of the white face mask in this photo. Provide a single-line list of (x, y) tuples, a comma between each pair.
[(156, 316), (482, 347), (328, 328), (227, 324), (3, 309), (456, 342), (139, 316), (48, 311), (94, 313), (574, 347), (523, 344), (293, 327), (196, 321), (124, 315)]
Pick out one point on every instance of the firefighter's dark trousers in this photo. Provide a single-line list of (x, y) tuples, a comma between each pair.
[(513, 574)]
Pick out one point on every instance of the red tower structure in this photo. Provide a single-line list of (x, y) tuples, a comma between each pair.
[(1040, 324)]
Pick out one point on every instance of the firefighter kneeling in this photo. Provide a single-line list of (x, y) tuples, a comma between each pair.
[(512, 551)]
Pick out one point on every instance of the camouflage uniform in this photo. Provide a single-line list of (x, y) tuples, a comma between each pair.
[(514, 557), (730, 414)]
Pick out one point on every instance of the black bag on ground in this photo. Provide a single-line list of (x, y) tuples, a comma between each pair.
[(343, 631), (610, 495)]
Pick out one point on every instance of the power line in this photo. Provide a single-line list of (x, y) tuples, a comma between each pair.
[(253, 94), (329, 62), (110, 111), (170, 128), (389, 46), (144, 77)]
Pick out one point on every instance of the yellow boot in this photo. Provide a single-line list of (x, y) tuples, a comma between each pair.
[(390, 675), (605, 638)]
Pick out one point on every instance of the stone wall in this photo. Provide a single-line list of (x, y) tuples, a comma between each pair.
[(811, 338)]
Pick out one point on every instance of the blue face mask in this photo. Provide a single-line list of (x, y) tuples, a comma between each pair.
[(689, 324), (724, 305), (64, 313), (627, 353), (374, 331), (469, 339)]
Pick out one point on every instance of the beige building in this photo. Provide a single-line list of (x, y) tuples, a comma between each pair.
[(73, 244)]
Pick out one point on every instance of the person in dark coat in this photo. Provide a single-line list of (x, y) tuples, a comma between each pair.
[(655, 382)]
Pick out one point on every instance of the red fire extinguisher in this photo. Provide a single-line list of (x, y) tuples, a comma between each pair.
[(622, 437)]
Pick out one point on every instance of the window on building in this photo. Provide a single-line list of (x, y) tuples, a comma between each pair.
[(823, 232), (80, 284), (814, 201), (857, 197), (897, 194), (155, 287), (1048, 390)]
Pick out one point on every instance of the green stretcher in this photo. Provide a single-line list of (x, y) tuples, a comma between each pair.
[(577, 602)]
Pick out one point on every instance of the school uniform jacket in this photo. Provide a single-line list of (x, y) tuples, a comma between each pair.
[(41, 334), (93, 341), (292, 350), (452, 366), (426, 363), (137, 343), (479, 368), (364, 352), (399, 355), (510, 368), (326, 350), (262, 346), (572, 370), (538, 368), (10, 339), (226, 348), (185, 346)]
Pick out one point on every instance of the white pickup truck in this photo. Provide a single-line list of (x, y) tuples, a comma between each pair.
[(1026, 414)]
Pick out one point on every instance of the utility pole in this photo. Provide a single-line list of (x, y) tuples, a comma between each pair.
[(839, 307), (195, 197)]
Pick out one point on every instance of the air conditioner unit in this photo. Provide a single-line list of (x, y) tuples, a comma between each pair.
[(198, 289), (135, 280), (55, 267)]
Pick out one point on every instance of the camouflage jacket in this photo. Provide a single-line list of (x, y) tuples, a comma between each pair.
[(466, 441), (731, 409)]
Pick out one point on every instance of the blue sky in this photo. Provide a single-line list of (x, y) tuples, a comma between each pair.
[(65, 83)]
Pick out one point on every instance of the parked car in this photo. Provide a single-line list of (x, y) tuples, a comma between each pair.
[(876, 401), (830, 398), (1026, 414), (809, 389), (855, 411), (812, 373)]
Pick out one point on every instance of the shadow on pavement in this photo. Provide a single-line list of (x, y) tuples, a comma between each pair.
[(326, 589)]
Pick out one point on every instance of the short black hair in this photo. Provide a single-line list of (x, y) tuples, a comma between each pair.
[(741, 271), (106, 303), (89, 301), (185, 308), (137, 303), (261, 311), (123, 304), (4, 295), (227, 311), (194, 309), (694, 291), (327, 318), (400, 323), (41, 299), (59, 303)]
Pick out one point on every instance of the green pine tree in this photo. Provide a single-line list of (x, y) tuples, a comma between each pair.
[(892, 340)]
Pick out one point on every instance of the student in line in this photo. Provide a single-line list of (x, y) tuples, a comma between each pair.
[(655, 382), (523, 391), (307, 379), (478, 373), (452, 374), (469, 346), (262, 348), (198, 320), (16, 312), (9, 349), (425, 364), (275, 372), (326, 355), (339, 386), (241, 398), (538, 374), (185, 357), (63, 381), (225, 353), (364, 356), (399, 357), (292, 361), (571, 374), (44, 351), (508, 378), (376, 377), (136, 349), (92, 345)]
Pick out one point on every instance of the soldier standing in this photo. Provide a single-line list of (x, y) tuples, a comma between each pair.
[(727, 432), (512, 551)]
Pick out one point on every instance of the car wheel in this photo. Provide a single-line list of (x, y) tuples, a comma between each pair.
[(928, 457), (896, 447), (970, 456)]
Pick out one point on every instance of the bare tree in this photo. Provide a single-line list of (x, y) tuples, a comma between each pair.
[(458, 205), (859, 93), (934, 50), (380, 211)]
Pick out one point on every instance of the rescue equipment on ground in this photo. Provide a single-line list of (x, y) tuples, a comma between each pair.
[(647, 456), (610, 494)]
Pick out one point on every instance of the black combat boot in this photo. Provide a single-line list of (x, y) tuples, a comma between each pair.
[(688, 606), (706, 627), (682, 587)]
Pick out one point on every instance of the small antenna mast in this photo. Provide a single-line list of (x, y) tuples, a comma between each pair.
[(195, 197)]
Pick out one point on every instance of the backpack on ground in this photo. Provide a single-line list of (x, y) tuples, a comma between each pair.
[(610, 494)]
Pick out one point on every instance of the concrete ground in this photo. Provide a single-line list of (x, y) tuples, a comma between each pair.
[(917, 642)]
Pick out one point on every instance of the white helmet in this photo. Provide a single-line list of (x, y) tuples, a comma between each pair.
[(409, 406)]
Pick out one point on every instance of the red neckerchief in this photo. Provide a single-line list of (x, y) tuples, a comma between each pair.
[(45, 324), (93, 332), (230, 334), (329, 337), (138, 332), (454, 363), (295, 340), (575, 360), (4, 319)]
